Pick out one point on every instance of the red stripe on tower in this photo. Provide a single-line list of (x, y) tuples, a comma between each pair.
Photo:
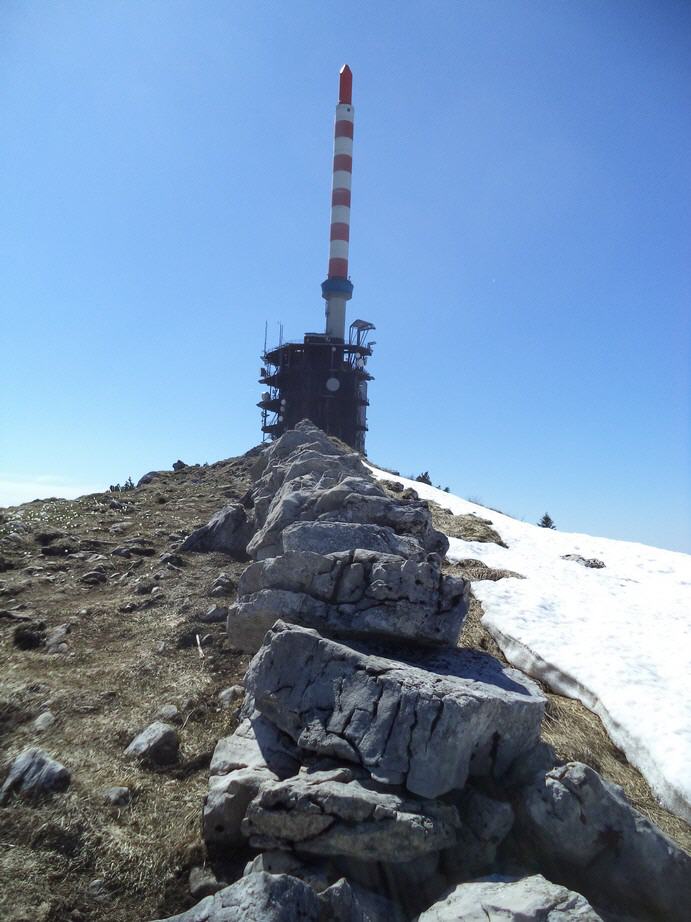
[(338, 268), (343, 162), (344, 129), (341, 197), (340, 231)]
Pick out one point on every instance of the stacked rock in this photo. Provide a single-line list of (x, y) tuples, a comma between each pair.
[(375, 765)]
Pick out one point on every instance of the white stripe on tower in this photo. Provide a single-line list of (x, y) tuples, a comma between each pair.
[(342, 172)]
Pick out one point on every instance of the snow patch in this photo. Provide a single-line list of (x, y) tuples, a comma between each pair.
[(617, 639)]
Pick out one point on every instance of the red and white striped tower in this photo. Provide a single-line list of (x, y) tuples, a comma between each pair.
[(337, 289)]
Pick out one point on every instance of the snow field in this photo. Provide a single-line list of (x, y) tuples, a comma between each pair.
[(618, 639)]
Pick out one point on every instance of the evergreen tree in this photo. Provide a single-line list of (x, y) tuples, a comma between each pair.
[(424, 478), (546, 521)]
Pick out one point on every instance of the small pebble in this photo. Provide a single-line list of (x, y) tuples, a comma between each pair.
[(44, 721), (229, 696), (117, 796), (168, 712)]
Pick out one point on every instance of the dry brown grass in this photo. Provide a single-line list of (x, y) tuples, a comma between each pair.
[(466, 527), (121, 667)]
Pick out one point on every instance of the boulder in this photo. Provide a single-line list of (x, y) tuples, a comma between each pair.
[(157, 744), (332, 813), (532, 899), (331, 537), (34, 774), (586, 833), (426, 723), (227, 532), (258, 897), (350, 594)]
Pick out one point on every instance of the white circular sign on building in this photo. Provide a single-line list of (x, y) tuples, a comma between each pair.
[(332, 384)]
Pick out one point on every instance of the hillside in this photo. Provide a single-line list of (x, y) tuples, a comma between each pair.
[(106, 624)]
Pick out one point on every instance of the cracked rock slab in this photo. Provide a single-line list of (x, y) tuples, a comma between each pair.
[(532, 899), (426, 724), (330, 813), (331, 537), (350, 594)]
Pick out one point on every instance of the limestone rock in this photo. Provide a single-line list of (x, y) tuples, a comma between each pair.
[(226, 802), (257, 898), (157, 744), (256, 743), (33, 774), (350, 594), (241, 763), (346, 902), (44, 721), (426, 723), (227, 532), (532, 899), (229, 696), (349, 499), (214, 615), (411, 518), (330, 813), (331, 537), (148, 478), (587, 833)]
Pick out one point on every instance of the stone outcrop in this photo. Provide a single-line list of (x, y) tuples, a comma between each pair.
[(354, 593), (375, 756), (425, 724), (532, 899), (331, 813), (586, 833)]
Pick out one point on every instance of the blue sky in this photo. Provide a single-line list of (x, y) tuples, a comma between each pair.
[(520, 237)]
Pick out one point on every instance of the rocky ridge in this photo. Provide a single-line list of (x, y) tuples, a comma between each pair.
[(375, 782), (377, 763)]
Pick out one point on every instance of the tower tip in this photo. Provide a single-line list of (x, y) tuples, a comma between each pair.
[(345, 86)]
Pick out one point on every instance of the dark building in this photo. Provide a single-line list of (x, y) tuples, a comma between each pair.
[(321, 379)]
